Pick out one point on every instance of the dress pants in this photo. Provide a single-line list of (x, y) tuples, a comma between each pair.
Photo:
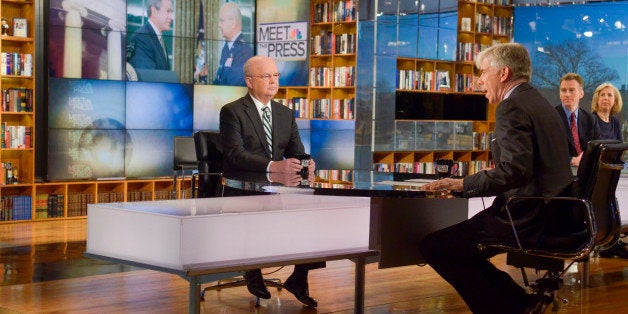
[(229, 191), (453, 252)]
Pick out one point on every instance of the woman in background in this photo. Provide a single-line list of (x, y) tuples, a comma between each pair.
[(605, 104)]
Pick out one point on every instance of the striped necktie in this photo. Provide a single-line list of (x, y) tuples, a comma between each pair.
[(268, 129)]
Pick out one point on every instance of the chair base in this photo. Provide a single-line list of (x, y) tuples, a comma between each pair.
[(234, 282)]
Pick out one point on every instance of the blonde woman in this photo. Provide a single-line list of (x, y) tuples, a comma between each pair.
[(605, 104)]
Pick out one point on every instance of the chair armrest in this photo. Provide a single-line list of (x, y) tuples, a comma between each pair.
[(575, 228)]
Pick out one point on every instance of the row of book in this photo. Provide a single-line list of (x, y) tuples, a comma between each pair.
[(17, 100), (421, 80), (335, 175), (49, 206), (137, 196), (320, 108), (340, 11), (77, 203), (15, 136), (8, 173), (468, 51), (15, 63), (327, 76), (498, 2), (490, 24), (465, 168), (330, 43), (16, 207), (465, 83)]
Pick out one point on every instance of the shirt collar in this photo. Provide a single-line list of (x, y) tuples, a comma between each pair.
[(259, 105), (510, 91), (154, 28)]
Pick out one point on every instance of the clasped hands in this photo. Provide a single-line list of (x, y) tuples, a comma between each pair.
[(287, 172), (450, 184)]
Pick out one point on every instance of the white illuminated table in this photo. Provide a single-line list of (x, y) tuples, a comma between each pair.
[(200, 238)]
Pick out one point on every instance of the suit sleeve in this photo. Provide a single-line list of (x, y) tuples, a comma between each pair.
[(232, 140), (512, 153)]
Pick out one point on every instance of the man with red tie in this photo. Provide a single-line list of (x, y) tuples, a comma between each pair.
[(580, 124)]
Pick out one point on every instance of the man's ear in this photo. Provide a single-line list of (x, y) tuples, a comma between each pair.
[(504, 74)]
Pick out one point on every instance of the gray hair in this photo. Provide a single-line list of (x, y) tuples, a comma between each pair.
[(512, 55)]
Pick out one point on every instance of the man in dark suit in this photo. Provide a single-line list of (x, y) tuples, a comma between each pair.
[(235, 51), (247, 146), (586, 127), (147, 47), (531, 158)]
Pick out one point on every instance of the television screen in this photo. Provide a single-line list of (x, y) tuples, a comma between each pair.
[(128, 133)]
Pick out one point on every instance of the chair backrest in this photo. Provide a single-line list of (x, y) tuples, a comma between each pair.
[(209, 155), (184, 154), (598, 175), (208, 151)]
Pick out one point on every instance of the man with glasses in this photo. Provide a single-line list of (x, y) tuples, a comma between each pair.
[(261, 135)]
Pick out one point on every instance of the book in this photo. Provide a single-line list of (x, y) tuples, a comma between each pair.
[(20, 27), (465, 24)]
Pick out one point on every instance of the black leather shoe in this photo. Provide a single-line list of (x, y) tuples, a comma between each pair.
[(255, 284), (300, 290)]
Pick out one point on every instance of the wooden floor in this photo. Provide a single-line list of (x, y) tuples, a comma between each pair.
[(43, 271)]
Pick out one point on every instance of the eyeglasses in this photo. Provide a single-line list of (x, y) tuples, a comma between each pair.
[(266, 77)]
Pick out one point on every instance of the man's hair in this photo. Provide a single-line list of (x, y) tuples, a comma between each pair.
[(573, 77), (596, 95), (233, 11), (152, 3), (512, 55)]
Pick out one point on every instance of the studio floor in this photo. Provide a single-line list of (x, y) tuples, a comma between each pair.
[(44, 271)]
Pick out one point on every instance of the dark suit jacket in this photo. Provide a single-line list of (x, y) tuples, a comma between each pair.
[(243, 139), (531, 155), (233, 74), (587, 128), (148, 53)]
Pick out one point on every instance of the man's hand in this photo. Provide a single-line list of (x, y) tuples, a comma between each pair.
[(575, 161), (444, 184), (290, 165)]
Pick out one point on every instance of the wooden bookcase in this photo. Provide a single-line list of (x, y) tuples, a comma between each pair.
[(480, 25), (17, 114), (333, 46)]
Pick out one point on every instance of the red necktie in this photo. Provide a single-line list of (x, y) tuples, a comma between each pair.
[(574, 132)]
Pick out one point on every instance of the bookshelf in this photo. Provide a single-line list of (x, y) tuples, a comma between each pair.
[(437, 104), (330, 93), (17, 114)]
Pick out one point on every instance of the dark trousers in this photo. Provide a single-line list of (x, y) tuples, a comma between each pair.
[(229, 191), (453, 253)]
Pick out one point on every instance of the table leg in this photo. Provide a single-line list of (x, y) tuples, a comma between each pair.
[(359, 285), (195, 296)]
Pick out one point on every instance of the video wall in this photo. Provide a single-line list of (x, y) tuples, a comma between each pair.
[(126, 76)]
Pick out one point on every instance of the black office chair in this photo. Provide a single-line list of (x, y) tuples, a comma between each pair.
[(574, 226), (209, 156), (184, 161)]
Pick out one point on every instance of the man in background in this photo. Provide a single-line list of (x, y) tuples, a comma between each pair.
[(261, 135), (581, 125), (236, 51), (146, 48)]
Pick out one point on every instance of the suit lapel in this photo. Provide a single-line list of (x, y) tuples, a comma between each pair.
[(256, 122)]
